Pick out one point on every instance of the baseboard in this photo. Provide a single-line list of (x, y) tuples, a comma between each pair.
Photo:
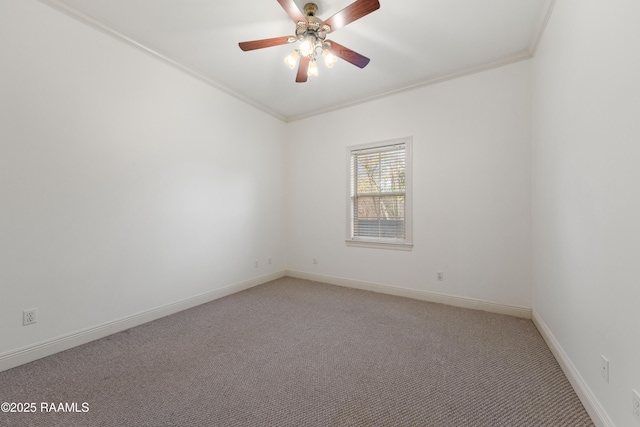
[(456, 301), (595, 410), (39, 350)]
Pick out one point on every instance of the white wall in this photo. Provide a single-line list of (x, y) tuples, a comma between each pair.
[(125, 184), (471, 166), (586, 193)]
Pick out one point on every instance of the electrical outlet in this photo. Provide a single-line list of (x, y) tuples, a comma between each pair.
[(635, 399), (440, 276), (315, 260), (257, 264), (604, 368), (269, 261), (29, 317)]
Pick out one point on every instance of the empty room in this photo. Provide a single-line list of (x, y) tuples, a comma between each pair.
[(338, 213)]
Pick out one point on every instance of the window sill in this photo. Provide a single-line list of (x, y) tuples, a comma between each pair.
[(380, 245)]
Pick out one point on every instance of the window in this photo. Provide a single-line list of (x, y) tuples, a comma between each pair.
[(379, 213)]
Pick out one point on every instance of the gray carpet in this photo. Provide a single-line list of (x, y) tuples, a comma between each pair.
[(300, 353)]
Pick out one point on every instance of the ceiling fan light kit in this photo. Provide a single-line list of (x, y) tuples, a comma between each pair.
[(311, 33)]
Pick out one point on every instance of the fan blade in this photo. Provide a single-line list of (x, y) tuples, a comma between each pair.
[(292, 10), (348, 55), (303, 67), (355, 10), (260, 44)]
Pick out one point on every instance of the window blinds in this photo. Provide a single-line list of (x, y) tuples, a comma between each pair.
[(378, 192)]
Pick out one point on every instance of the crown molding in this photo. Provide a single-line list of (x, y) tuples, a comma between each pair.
[(516, 57), (541, 26), (103, 27)]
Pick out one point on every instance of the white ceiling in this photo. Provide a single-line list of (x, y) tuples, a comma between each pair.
[(410, 43)]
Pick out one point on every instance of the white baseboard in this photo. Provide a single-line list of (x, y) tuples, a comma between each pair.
[(511, 310), (595, 410), (39, 350)]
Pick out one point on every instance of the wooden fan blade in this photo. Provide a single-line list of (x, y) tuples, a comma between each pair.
[(355, 10), (348, 55), (292, 10), (260, 44), (303, 67)]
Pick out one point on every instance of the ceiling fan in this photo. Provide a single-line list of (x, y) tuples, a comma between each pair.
[(312, 31)]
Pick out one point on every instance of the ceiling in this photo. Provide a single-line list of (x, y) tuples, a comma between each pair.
[(410, 43)]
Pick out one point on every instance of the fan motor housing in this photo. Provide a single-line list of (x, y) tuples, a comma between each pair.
[(310, 9)]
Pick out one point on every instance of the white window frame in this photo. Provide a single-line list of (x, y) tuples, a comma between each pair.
[(383, 243)]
